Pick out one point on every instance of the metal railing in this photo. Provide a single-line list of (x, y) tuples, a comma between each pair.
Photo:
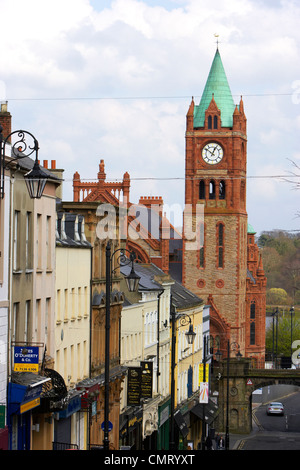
[(64, 446)]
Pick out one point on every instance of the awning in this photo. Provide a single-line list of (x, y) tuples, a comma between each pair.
[(210, 411), (179, 420), (73, 404), (24, 391)]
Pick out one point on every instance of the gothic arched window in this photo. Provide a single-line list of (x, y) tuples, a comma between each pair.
[(220, 245), (212, 190), (215, 122), (222, 190), (201, 190), (209, 122), (252, 323)]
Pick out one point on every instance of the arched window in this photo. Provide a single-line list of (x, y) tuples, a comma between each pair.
[(252, 323), (202, 245), (201, 190), (209, 122), (220, 245), (215, 122), (212, 190), (222, 190)]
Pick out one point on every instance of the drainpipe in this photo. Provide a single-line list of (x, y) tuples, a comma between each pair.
[(158, 337)]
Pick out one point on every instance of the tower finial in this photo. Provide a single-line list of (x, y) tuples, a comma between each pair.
[(217, 36)]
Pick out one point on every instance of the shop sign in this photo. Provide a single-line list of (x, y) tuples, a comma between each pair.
[(146, 379), (140, 381), (29, 405), (203, 397), (201, 374), (26, 359), (2, 416), (134, 386)]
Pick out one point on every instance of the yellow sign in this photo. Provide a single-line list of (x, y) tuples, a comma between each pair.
[(29, 405), (201, 376), (23, 367)]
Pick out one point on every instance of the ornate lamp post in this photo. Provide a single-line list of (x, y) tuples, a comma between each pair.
[(233, 346), (292, 311), (132, 281), (184, 319), (36, 178)]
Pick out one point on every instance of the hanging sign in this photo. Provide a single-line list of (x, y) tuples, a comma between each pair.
[(134, 386), (201, 373), (203, 396), (146, 379), (26, 358)]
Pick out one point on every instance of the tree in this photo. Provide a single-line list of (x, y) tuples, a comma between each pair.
[(284, 335), (277, 296)]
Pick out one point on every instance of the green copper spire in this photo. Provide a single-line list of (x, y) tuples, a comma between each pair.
[(216, 85)]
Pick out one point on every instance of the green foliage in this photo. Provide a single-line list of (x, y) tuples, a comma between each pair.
[(281, 260), (277, 296), (284, 334)]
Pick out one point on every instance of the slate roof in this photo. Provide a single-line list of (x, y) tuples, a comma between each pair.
[(67, 236), (181, 297)]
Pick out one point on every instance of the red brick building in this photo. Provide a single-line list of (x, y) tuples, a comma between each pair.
[(226, 271)]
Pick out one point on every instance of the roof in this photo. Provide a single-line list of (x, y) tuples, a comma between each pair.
[(27, 163), (146, 273), (70, 230), (184, 298), (181, 296), (250, 229), (216, 86)]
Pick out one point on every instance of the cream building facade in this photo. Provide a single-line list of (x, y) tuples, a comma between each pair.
[(72, 323)]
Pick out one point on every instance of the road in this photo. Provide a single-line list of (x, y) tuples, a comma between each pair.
[(275, 432)]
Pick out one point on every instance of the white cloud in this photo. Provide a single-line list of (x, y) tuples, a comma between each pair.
[(125, 72)]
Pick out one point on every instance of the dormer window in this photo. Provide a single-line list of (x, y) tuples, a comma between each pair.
[(212, 122), (209, 122)]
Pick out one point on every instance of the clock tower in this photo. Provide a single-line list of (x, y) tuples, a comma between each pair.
[(215, 176)]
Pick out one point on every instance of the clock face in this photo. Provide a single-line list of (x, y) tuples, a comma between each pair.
[(212, 153)]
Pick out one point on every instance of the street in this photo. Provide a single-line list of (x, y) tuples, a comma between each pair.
[(275, 432)]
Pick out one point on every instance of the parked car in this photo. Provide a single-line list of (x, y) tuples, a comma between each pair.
[(275, 408)]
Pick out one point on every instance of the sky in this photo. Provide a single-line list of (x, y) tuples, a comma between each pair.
[(113, 80)]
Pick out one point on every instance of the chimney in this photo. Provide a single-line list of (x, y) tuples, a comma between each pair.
[(5, 120)]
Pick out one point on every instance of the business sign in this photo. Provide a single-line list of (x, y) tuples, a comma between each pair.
[(139, 385), (29, 405), (134, 386), (26, 359), (146, 379), (201, 373), (203, 396)]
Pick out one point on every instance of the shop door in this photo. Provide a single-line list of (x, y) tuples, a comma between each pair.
[(62, 434)]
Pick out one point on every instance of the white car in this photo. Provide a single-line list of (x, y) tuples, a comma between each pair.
[(275, 408)]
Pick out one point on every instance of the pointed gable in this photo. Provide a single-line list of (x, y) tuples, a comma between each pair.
[(217, 87)]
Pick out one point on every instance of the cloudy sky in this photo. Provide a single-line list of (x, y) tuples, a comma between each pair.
[(113, 80)]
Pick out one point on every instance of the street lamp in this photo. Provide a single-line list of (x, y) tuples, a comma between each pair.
[(190, 335), (36, 178), (132, 281), (292, 311), (232, 346)]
